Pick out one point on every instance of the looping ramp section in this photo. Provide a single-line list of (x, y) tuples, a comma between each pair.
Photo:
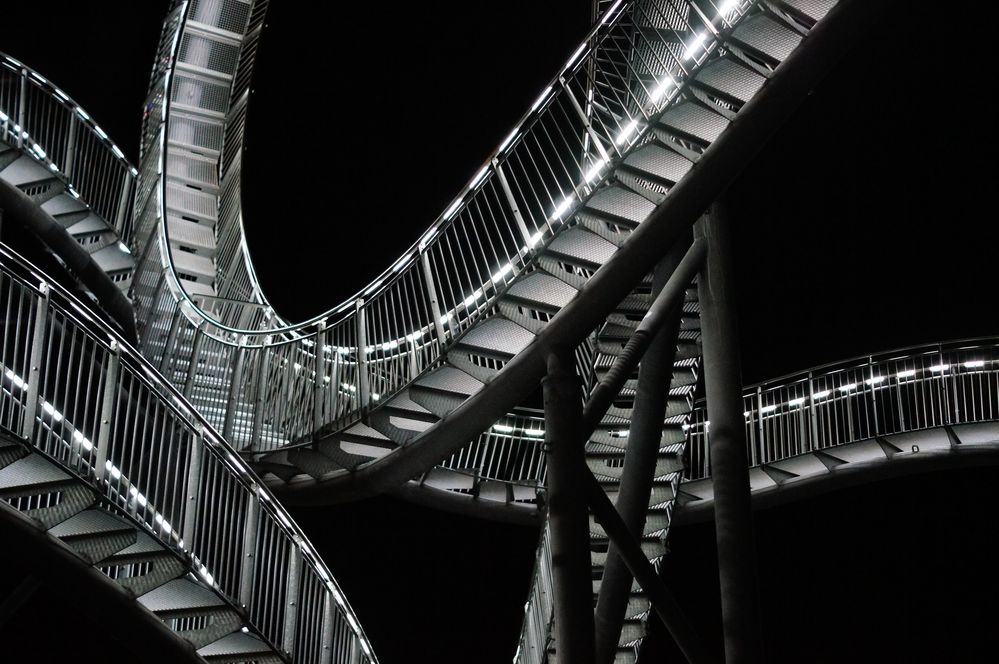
[(553, 239)]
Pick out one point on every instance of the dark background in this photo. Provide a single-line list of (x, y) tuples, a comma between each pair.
[(863, 226)]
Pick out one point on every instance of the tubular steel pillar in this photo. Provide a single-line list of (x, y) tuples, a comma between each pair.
[(567, 511), (740, 597), (645, 434)]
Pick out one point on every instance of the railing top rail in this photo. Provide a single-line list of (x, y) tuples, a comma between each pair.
[(870, 358)]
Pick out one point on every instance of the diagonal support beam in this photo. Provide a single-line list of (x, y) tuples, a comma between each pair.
[(644, 438), (670, 299), (663, 602)]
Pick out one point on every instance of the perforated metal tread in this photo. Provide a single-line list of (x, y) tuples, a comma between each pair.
[(144, 544), (180, 595), (89, 522), (29, 471), (449, 379), (767, 36), (26, 171), (621, 203), (542, 289), (237, 643), (731, 79), (662, 164), (582, 245), (497, 335)]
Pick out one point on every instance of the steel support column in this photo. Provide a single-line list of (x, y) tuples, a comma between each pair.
[(740, 598), (662, 601), (567, 511), (655, 372)]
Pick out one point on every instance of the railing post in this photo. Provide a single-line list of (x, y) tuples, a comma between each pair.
[(123, 202), (248, 568), (874, 400), (326, 639), (317, 387), (259, 400), (813, 421), (292, 583), (67, 167), (944, 392), (435, 308), (192, 369), (758, 452), (235, 385), (170, 341), (574, 637), (729, 469), (355, 650), (22, 108), (34, 376), (363, 385), (514, 208), (587, 125), (108, 401), (192, 489)]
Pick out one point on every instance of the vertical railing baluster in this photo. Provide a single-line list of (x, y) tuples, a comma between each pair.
[(318, 383), (192, 368), (68, 166), (248, 567), (514, 208), (259, 399), (108, 402), (192, 488), (363, 386), (123, 199), (435, 309), (758, 457), (235, 387), (22, 108), (813, 423), (35, 362), (293, 586), (326, 638)]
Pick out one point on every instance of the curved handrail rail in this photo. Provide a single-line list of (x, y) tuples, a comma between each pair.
[(554, 158), (46, 122), (87, 399)]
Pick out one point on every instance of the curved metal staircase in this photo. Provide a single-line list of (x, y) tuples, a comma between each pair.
[(552, 242), (54, 152), (99, 452)]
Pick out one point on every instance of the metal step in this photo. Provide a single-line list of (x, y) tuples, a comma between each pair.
[(239, 647), (182, 599), (95, 534)]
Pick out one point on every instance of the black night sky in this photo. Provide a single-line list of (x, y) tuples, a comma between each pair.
[(863, 226)]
